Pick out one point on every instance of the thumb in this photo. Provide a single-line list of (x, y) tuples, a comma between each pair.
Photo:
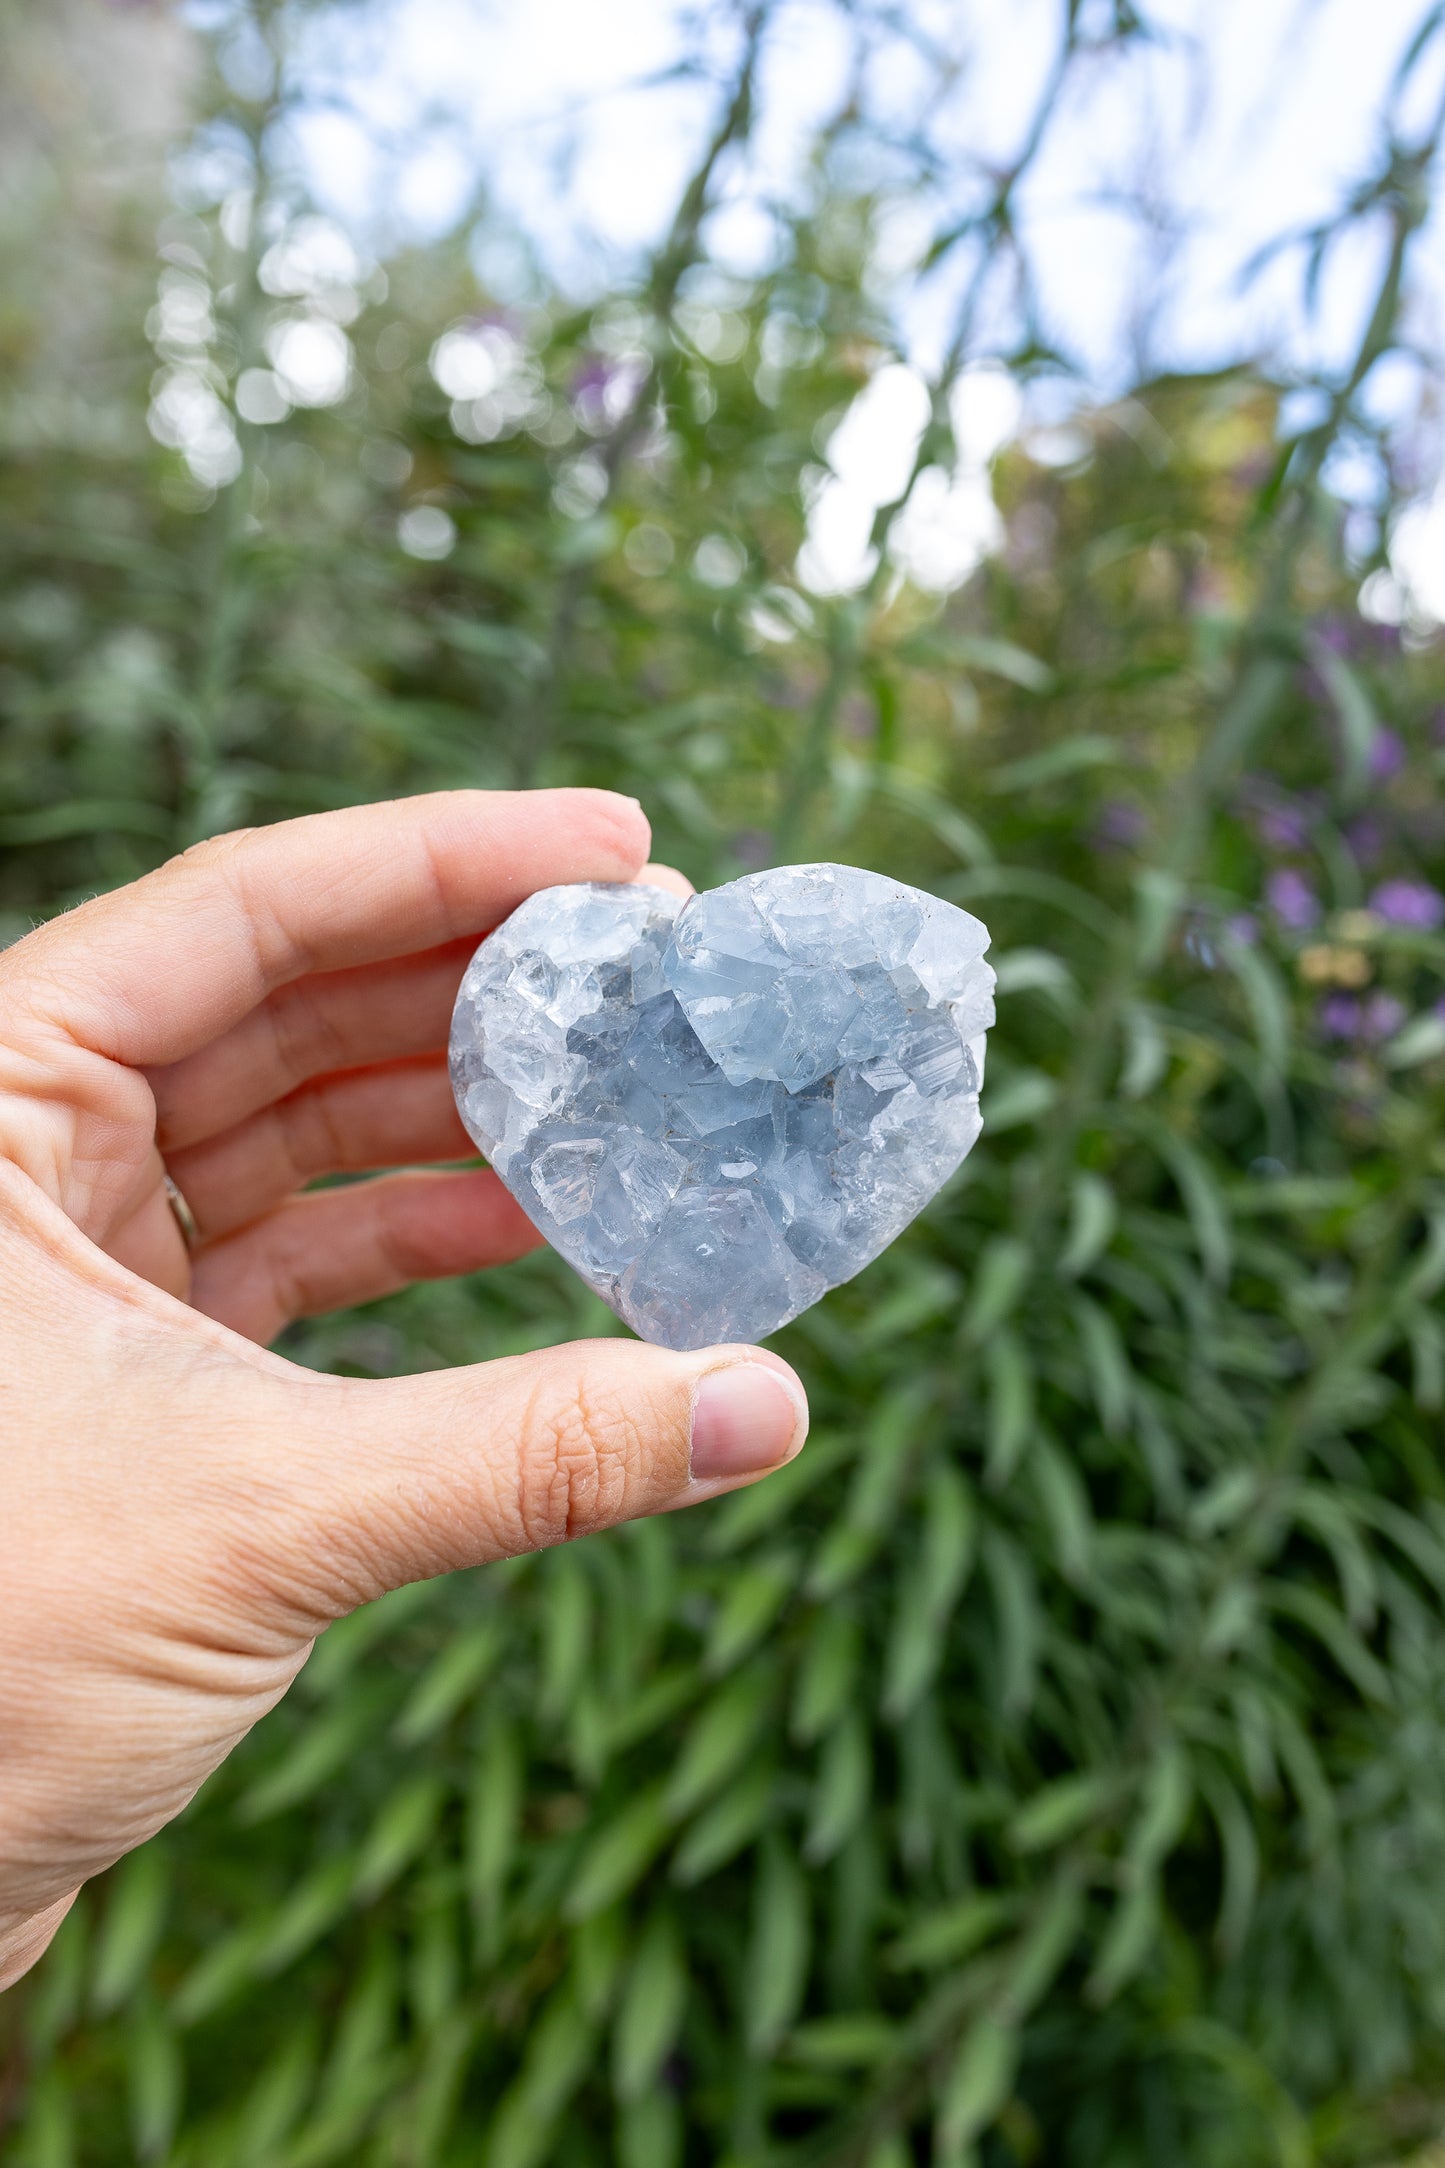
[(394, 1480)]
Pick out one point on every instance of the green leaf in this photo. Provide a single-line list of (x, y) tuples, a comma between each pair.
[(1061, 1809), (998, 1283), (980, 2082), (755, 1595), (1334, 1633), (493, 1814), (155, 2079), (1046, 1943), (1065, 1503), (1016, 1612), (1071, 756), (1010, 1405), (619, 1855), (1239, 1849), (929, 1590), (1013, 1100), (778, 1948), (138, 1894), (559, 2048), (1132, 1933), (950, 1936), (1106, 1361), (1036, 970), (1094, 1215), (980, 651), (455, 1675), (1146, 1052), (401, 1830), (729, 1824), (926, 1292), (1359, 725), (308, 1912), (567, 1621), (827, 1673), (651, 2011), (1422, 1039), (840, 1797), (848, 2042), (327, 1743), (1266, 998), (719, 1739)]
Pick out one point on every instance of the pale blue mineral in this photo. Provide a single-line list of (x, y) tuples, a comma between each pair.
[(718, 1109)]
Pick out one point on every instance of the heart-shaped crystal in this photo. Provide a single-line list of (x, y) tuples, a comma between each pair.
[(716, 1110)]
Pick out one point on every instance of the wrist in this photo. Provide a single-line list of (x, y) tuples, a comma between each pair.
[(24, 1942)]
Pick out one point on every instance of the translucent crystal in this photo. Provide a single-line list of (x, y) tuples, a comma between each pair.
[(718, 1109)]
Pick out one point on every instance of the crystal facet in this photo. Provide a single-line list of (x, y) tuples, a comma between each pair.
[(716, 1110)]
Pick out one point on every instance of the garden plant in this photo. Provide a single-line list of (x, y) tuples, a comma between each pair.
[(1049, 1766)]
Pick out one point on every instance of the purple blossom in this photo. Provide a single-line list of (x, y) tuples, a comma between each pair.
[(1382, 1017), (753, 848), (1387, 755), (1341, 635), (1280, 821), (1367, 837), (1378, 1017), (1338, 1016), (859, 717), (1120, 826), (1292, 900), (1409, 903), (593, 374)]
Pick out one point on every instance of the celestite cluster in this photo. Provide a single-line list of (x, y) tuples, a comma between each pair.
[(718, 1109)]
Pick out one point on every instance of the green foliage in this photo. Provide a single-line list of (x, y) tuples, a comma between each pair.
[(1050, 1765)]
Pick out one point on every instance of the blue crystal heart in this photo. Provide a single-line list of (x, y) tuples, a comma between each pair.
[(716, 1110)]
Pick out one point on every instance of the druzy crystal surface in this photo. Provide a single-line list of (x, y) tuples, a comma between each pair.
[(718, 1109)]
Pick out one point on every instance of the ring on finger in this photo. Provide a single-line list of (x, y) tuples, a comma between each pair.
[(181, 1212)]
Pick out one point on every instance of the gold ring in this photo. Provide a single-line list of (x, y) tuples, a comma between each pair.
[(184, 1217)]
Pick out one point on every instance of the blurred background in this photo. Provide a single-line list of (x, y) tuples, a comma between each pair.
[(995, 443)]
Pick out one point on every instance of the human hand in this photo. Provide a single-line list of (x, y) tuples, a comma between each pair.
[(183, 1513)]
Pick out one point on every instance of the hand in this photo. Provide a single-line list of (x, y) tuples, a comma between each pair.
[(184, 1513)]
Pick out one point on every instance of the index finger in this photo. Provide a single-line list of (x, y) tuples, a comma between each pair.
[(149, 974)]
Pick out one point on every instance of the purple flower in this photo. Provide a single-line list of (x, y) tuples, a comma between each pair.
[(1377, 1017), (1409, 903), (1281, 822), (1367, 837), (1387, 755), (1338, 1016), (1341, 635), (1243, 928), (594, 373), (1120, 826), (753, 848), (1382, 1017), (1292, 900)]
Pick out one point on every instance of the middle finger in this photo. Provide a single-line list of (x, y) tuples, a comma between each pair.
[(334, 1020), (394, 1114)]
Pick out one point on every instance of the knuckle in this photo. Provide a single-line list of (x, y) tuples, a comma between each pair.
[(611, 825), (582, 1452), (215, 850), (305, 1036)]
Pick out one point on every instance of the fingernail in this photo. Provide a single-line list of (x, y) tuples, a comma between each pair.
[(745, 1418)]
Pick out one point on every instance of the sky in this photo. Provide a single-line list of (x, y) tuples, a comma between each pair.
[(1163, 174), (1242, 119)]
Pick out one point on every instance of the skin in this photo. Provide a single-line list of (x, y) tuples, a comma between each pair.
[(184, 1512)]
